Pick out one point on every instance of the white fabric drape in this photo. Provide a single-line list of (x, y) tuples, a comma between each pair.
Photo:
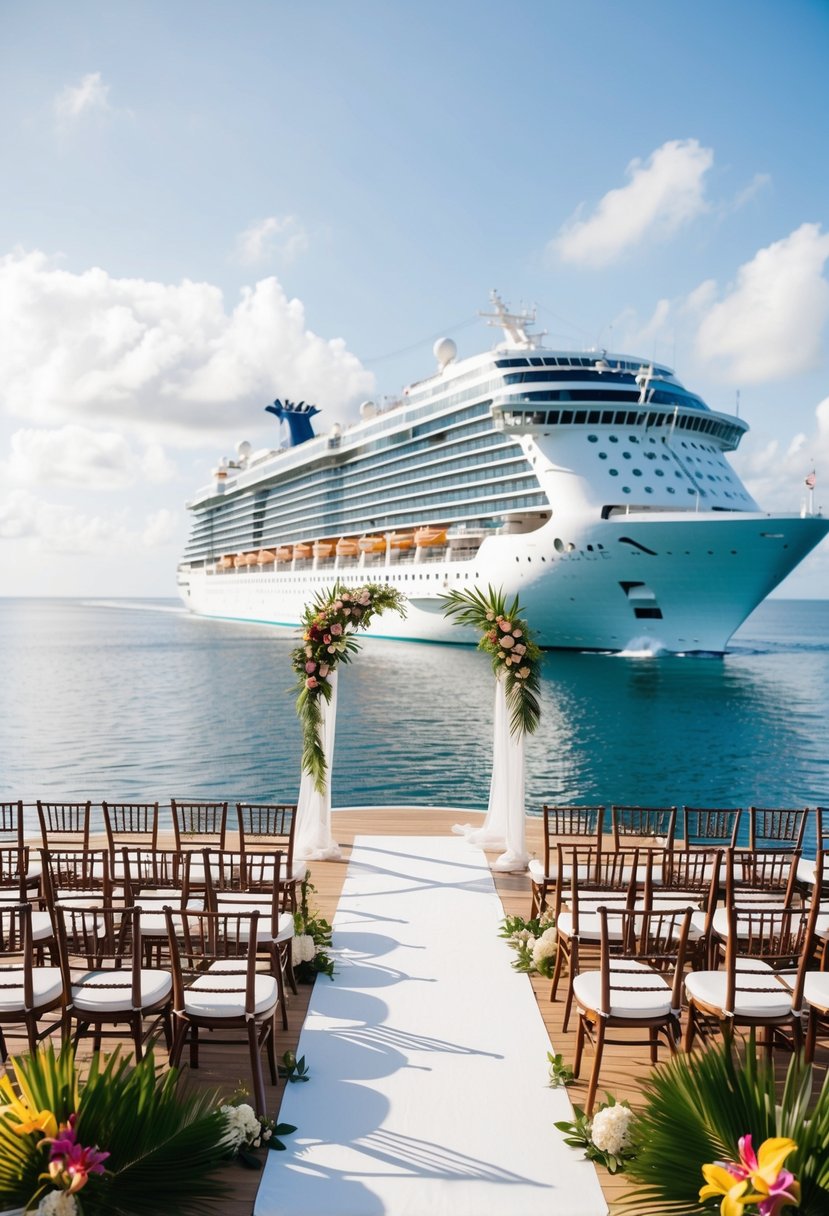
[(504, 826), (314, 841)]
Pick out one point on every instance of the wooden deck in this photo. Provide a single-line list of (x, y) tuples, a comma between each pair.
[(225, 1068)]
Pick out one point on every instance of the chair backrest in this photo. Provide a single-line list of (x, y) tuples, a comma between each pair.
[(147, 871), (197, 940), (100, 937), (250, 879), (590, 873), (650, 827), (16, 952), (571, 824), (774, 938), (197, 824), (706, 826), (263, 824), (761, 872), (11, 823), (776, 827), (14, 866), (131, 823), (64, 824), (650, 936), (74, 873)]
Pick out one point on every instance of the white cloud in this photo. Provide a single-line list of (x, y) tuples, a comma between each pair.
[(159, 530), (151, 357), (91, 96), (51, 528), (77, 456), (663, 194), (770, 322), (775, 472), (274, 236)]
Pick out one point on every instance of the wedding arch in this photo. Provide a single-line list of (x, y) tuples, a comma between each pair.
[(516, 663), (329, 625)]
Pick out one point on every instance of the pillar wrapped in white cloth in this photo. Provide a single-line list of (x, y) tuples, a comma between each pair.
[(314, 841)]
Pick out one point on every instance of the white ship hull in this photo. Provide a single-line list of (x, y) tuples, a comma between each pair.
[(680, 583)]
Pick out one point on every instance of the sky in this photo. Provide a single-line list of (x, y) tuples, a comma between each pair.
[(208, 205)]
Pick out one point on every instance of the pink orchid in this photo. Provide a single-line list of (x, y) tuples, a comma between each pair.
[(70, 1163)]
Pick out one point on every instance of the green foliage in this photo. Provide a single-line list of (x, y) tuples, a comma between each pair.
[(328, 627), (521, 935), (293, 1069), (310, 923), (165, 1145), (697, 1107), (560, 1073), (515, 656), (578, 1134)]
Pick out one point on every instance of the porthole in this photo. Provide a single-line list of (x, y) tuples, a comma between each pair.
[(558, 545), (659, 472), (670, 489), (637, 472), (613, 472), (648, 489), (613, 438), (633, 439), (625, 489), (592, 438)]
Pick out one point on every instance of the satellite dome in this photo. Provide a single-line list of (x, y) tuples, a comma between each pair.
[(444, 351), (368, 409), (243, 449)]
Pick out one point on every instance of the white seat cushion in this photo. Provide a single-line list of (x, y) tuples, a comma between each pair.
[(111, 991), (202, 999), (589, 929), (241, 902), (42, 928), (816, 990), (771, 1000), (47, 985), (806, 871), (636, 991)]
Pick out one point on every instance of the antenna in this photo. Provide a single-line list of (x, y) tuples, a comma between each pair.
[(514, 324), (738, 403)]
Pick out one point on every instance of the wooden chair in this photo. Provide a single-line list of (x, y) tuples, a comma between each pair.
[(131, 825), (15, 889), (12, 834), (216, 986), (776, 828), (593, 878), (762, 955), (815, 984), (769, 875), (694, 875), (155, 879), (64, 825), (80, 876), (641, 989), (264, 825), (197, 825), (710, 827), (650, 827), (562, 825), (104, 981), (247, 882), (27, 991)]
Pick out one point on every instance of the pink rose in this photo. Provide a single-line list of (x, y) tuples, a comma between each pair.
[(519, 649), (505, 624), (311, 682), (346, 598), (346, 612), (310, 666), (517, 633), (336, 630), (523, 672), (332, 649), (324, 670), (506, 641), (356, 612), (326, 637)]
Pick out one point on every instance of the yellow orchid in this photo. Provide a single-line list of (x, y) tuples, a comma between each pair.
[(733, 1190), (774, 1187), (22, 1117)]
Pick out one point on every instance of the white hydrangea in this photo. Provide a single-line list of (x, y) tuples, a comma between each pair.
[(545, 946), (303, 948), (57, 1203), (611, 1128), (243, 1126)]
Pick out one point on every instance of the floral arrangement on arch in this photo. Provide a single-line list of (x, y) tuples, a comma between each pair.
[(507, 638), (329, 624), (123, 1139)]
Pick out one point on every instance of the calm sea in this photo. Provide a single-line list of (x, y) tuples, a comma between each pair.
[(137, 700)]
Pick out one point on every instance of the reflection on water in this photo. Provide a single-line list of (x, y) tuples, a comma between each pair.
[(118, 701)]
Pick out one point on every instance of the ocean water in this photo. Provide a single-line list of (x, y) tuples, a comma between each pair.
[(138, 700)]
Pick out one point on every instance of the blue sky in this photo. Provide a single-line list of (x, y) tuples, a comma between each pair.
[(207, 205)]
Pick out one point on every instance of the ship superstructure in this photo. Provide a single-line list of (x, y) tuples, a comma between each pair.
[(593, 485)]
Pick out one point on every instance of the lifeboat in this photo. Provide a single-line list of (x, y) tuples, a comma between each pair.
[(241, 559), (424, 537), (251, 559), (347, 547), (323, 548), (371, 544), (284, 553), (225, 563), (401, 540), (265, 556), (302, 550)]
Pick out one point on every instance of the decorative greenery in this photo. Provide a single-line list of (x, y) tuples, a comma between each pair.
[(560, 1073), (606, 1136), (515, 656), (696, 1110), (159, 1148), (328, 627), (533, 942), (312, 940), (293, 1069), (248, 1131)]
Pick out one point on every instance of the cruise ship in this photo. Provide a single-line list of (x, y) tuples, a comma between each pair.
[(592, 485)]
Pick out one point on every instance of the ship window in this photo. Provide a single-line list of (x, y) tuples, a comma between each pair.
[(607, 417), (648, 490), (637, 472), (626, 455), (602, 455), (581, 417), (670, 489), (566, 417), (659, 472), (613, 438), (592, 438), (593, 417), (625, 489), (552, 417), (620, 418), (558, 545), (653, 614), (633, 439), (613, 472)]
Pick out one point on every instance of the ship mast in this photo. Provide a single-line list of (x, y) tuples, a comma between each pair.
[(514, 324)]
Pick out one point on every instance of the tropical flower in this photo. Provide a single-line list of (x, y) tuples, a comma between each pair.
[(23, 1117), (757, 1178), (70, 1163), (610, 1129)]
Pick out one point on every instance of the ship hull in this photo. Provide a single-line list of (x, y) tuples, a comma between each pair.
[(680, 583)]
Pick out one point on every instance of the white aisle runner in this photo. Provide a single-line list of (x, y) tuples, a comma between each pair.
[(428, 1058)]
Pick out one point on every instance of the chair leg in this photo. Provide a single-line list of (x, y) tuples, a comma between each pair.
[(179, 1037), (597, 1061), (269, 1040), (558, 969), (260, 1104), (279, 975), (811, 1035), (580, 1035), (690, 1028)]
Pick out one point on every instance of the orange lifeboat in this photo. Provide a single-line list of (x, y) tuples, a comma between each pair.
[(371, 544), (302, 550), (323, 548), (401, 540), (425, 537), (284, 553), (241, 559), (347, 547), (252, 559), (225, 563), (265, 557)]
